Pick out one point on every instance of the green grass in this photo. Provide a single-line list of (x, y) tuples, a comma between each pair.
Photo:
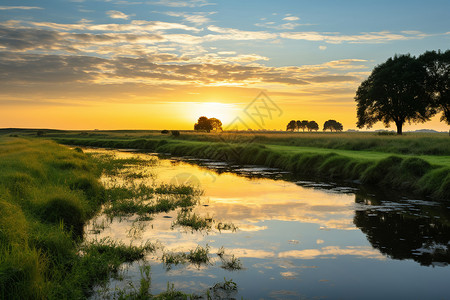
[(47, 194), (192, 220), (198, 257)]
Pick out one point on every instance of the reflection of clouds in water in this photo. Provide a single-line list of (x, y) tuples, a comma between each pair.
[(289, 275), (254, 253), (361, 251), (249, 227), (241, 213)]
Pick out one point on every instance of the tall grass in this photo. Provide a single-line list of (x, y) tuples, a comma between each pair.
[(47, 193)]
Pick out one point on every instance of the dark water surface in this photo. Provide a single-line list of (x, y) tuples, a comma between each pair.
[(296, 239)]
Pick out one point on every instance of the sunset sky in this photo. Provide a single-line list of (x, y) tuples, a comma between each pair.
[(157, 64)]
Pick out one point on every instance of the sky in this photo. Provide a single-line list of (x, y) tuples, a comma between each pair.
[(161, 64)]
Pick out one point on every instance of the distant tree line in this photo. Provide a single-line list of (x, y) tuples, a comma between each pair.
[(406, 89), (208, 124), (331, 125)]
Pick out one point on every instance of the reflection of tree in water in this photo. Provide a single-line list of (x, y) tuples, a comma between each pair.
[(421, 233)]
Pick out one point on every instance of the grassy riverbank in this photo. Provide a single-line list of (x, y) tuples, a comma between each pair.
[(416, 163), (47, 194)]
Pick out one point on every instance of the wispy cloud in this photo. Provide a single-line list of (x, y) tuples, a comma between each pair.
[(133, 26), (114, 14), (177, 3), (369, 37), (19, 7), (196, 17), (236, 34)]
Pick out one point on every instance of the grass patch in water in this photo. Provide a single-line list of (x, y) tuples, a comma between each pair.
[(198, 257), (196, 222), (192, 220)]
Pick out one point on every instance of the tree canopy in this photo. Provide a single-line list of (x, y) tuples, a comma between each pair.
[(292, 125), (333, 125), (312, 125), (437, 84), (394, 92), (203, 123)]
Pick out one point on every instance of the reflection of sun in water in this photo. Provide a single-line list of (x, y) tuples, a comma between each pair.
[(223, 111)]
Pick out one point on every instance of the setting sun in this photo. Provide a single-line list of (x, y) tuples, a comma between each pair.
[(222, 111)]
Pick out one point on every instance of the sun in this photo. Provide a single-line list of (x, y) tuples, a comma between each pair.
[(225, 112)]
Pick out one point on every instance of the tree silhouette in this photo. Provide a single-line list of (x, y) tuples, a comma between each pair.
[(437, 84), (312, 125), (292, 125), (332, 125), (298, 124), (394, 92), (216, 124), (304, 125), (203, 123)]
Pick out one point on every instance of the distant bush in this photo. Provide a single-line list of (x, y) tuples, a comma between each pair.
[(40, 133), (165, 131), (175, 133)]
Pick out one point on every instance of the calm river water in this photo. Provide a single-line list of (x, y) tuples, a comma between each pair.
[(296, 239)]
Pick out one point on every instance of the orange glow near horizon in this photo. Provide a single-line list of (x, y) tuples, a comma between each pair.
[(177, 115)]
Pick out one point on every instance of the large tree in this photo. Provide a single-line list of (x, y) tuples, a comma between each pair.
[(437, 68), (394, 92)]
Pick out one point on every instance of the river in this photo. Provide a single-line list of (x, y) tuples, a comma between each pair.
[(295, 238)]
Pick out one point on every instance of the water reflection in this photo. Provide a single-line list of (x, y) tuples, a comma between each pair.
[(296, 237), (408, 229)]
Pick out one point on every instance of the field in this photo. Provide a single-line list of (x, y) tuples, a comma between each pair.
[(417, 162)]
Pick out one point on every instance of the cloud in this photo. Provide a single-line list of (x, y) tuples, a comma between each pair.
[(133, 26), (19, 7), (151, 69), (292, 18), (114, 14), (196, 18), (322, 47), (236, 34), (336, 38), (176, 3), (360, 251)]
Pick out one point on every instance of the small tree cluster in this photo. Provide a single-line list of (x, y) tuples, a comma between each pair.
[(297, 125), (205, 124), (332, 125)]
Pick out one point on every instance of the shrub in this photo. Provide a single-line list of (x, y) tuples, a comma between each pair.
[(66, 209)]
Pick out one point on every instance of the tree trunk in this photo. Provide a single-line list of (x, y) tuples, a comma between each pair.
[(399, 125)]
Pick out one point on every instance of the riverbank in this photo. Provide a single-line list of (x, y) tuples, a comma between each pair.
[(48, 193), (427, 176)]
